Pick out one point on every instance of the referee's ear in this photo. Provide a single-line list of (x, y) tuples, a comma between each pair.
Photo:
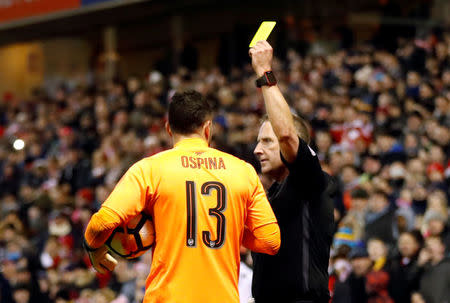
[(169, 131)]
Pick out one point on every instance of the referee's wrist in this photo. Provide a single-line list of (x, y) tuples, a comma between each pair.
[(262, 71)]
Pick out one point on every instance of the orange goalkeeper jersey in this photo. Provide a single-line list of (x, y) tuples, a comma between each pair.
[(200, 200)]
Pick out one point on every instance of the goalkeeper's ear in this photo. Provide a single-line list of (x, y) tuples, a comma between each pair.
[(168, 130)]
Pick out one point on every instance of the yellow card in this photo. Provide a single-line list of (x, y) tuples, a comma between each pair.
[(263, 32)]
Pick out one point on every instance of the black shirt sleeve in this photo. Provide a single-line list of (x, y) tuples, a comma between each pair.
[(306, 168)]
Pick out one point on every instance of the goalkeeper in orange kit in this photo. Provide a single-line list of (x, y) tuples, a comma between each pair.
[(202, 202)]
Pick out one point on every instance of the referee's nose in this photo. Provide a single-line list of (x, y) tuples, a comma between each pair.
[(258, 150)]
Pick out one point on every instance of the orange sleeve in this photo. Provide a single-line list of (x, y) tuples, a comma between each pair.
[(264, 239), (100, 227), (262, 233), (128, 199), (259, 211)]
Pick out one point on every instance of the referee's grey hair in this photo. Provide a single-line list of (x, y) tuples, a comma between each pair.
[(301, 126)]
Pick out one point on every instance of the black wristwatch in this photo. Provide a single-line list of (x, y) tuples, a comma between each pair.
[(267, 79)]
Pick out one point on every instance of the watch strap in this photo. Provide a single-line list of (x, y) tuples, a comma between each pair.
[(267, 79)]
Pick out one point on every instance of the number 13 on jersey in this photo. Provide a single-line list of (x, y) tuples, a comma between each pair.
[(191, 203)]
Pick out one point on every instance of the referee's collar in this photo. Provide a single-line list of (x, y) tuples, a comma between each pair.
[(192, 142)]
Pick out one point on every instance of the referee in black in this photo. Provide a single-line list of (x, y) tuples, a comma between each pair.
[(299, 272)]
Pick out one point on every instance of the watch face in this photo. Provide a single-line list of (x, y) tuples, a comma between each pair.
[(267, 79), (271, 78)]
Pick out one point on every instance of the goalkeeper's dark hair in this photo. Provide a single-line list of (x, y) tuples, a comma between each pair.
[(188, 111)]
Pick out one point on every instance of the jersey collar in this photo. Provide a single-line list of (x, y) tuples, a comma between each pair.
[(192, 142)]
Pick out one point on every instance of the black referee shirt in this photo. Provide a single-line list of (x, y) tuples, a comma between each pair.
[(300, 269)]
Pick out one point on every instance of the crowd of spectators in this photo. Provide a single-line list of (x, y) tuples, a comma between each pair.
[(380, 126)]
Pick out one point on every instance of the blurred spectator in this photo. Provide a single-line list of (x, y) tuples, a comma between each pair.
[(377, 280), (435, 281), (416, 297), (404, 270), (379, 219), (351, 228), (5, 290), (353, 288), (245, 277)]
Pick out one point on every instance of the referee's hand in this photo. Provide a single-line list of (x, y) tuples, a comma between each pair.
[(262, 54), (101, 260)]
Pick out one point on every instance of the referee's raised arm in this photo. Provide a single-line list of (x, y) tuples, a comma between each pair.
[(277, 108), (299, 272)]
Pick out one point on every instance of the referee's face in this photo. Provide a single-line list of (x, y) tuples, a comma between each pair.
[(268, 151)]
